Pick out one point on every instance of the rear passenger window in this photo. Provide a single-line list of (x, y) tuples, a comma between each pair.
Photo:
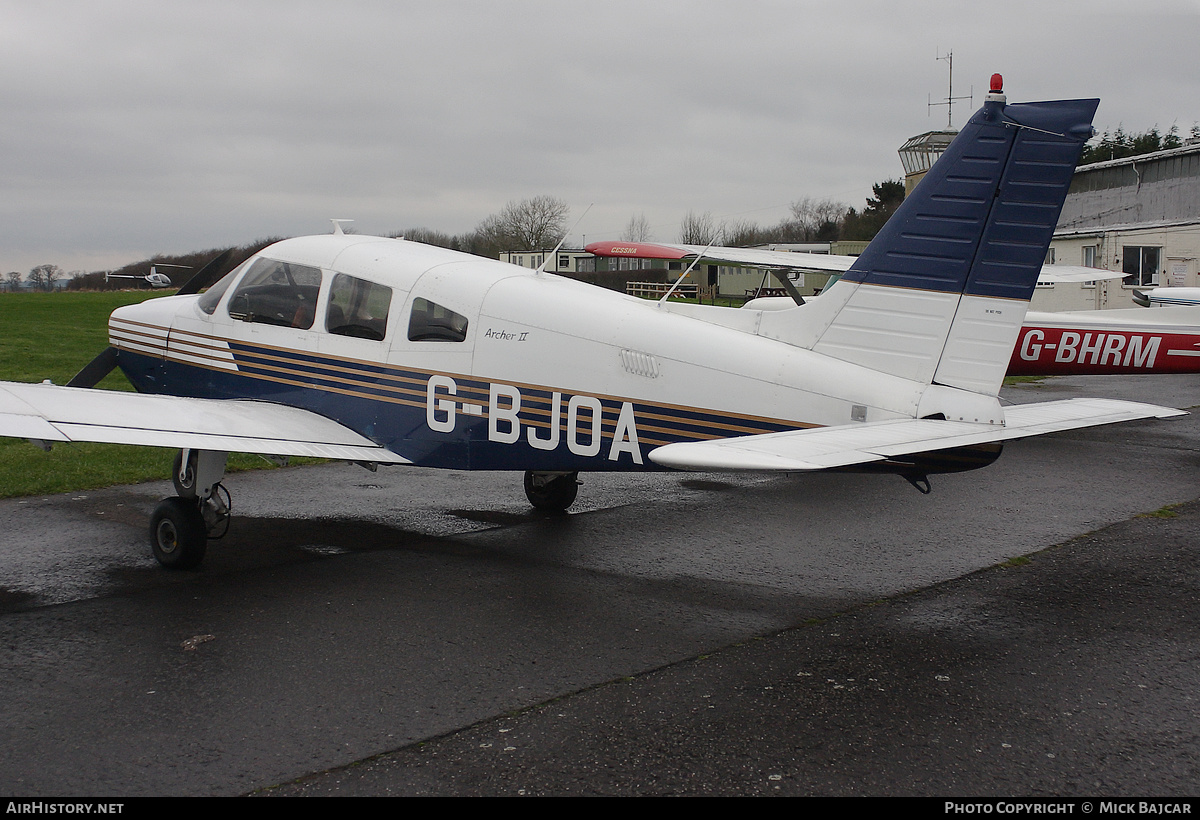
[(358, 308), (277, 293), (431, 322)]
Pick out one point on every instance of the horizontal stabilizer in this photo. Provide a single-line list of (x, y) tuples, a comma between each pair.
[(1076, 274), (824, 448), (51, 413)]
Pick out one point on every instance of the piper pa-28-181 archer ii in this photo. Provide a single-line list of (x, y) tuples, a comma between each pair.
[(383, 351)]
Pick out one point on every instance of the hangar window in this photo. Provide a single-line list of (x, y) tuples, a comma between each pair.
[(1140, 265), (277, 293), (1091, 259), (431, 322), (358, 308)]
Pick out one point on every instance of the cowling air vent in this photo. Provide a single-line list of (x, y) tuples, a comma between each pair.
[(640, 364)]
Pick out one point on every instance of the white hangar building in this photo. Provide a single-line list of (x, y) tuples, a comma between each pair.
[(1139, 215)]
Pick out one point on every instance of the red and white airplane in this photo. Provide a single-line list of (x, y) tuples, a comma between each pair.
[(1130, 340), (383, 351)]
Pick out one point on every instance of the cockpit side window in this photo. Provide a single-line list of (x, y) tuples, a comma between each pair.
[(210, 298), (431, 322), (277, 293), (358, 308)]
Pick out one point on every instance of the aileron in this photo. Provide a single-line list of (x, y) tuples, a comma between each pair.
[(53, 413)]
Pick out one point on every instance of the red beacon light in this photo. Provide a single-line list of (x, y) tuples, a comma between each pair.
[(996, 91)]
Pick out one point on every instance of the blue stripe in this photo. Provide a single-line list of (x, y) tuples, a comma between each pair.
[(388, 405)]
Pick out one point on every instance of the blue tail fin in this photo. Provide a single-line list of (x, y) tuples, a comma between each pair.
[(939, 295)]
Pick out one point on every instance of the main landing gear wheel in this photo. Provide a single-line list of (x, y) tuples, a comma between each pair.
[(552, 492), (181, 526), (178, 534)]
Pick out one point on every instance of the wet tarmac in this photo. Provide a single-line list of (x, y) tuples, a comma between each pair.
[(422, 632)]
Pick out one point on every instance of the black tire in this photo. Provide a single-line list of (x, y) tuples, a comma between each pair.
[(555, 495), (178, 535)]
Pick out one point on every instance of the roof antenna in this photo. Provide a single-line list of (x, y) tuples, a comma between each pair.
[(950, 98), (337, 226), (542, 267)]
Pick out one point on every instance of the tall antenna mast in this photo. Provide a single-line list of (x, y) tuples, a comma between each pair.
[(950, 98)]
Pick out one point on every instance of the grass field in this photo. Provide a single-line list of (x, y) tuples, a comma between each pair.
[(52, 336)]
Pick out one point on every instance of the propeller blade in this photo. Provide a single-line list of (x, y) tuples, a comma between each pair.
[(96, 370), (207, 275)]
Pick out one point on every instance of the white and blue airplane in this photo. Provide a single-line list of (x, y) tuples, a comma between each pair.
[(384, 351)]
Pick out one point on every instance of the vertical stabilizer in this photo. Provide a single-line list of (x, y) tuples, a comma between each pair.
[(939, 295)]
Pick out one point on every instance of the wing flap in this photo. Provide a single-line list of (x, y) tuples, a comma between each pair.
[(53, 413), (823, 448)]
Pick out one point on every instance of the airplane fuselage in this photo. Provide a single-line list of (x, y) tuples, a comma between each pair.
[(531, 381)]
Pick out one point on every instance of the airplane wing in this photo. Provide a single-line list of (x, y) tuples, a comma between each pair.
[(791, 261), (734, 257), (1076, 273), (825, 447), (1175, 296), (50, 413)]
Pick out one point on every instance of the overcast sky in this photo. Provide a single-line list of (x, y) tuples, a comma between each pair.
[(132, 128)]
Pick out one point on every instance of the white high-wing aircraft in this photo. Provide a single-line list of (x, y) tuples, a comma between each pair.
[(784, 265), (383, 351)]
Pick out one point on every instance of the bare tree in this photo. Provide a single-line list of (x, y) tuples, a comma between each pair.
[(43, 277), (429, 236), (814, 218), (697, 229), (745, 233), (13, 278), (638, 229), (531, 224), (37, 279)]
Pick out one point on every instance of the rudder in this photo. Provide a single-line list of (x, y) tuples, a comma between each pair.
[(940, 293)]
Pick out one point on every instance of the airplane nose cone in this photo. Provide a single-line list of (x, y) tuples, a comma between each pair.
[(144, 326)]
